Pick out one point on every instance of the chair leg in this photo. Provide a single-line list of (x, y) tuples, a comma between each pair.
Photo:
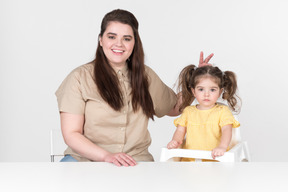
[(52, 158), (246, 151)]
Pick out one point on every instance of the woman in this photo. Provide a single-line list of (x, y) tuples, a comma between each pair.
[(105, 105)]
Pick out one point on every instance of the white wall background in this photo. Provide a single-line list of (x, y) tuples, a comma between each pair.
[(42, 41)]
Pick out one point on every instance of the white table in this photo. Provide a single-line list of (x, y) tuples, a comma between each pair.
[(146, 176)]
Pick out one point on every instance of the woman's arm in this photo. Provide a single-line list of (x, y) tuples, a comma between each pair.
[(177, 137), (175, 111), (224, 143), (72, 130)]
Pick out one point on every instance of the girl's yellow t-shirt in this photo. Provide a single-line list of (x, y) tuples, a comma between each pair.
[(204, 126)]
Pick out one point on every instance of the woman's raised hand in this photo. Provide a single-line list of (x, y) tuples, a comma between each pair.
[(203, 62)]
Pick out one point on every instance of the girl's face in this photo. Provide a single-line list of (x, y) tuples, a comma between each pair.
[(117, 43), (206, 92)]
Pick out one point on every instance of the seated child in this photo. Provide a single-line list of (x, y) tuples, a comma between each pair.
[(208, 124)]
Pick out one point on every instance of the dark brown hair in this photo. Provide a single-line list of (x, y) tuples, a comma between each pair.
[(106, 78), (189, 77)]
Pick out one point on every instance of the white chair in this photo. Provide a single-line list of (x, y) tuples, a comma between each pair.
[(238, 152), (57, 144)]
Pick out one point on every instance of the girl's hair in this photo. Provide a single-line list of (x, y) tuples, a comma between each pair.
[(106, 78), (189, 77)]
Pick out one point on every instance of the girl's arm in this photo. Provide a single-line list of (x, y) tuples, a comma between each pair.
[(177, 137), (72, 130), (225, 141)]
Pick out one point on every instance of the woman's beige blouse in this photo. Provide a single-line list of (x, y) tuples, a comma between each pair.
[(115, 131)]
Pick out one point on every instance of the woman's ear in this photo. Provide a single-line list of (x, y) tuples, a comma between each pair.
[(100, 40)]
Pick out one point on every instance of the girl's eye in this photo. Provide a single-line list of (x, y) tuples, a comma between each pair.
[(213, 90), (200, 89)]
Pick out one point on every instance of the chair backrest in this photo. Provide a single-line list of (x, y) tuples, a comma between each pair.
[(57, 144), (236, 135)]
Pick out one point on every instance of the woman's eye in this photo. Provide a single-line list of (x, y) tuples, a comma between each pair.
[(111, 37), (127, 39)]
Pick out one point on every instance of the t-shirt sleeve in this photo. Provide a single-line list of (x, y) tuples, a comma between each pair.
[(228, 118), (69, 94), (164, 98), (182, 120)]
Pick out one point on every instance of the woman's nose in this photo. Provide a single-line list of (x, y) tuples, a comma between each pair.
[(119, 42)]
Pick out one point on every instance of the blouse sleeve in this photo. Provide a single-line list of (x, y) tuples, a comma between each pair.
[(182, 120), (228, 118), (164, 98), (69, 94)]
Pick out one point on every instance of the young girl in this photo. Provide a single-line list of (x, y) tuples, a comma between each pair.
[(207, 125)]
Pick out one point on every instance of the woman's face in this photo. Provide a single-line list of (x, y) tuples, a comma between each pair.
[(117, 43)]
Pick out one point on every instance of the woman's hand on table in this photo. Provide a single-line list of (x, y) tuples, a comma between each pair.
[(120, 159)]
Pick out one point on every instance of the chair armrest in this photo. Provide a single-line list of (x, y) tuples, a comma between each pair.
[(232, 155), (167, 154)]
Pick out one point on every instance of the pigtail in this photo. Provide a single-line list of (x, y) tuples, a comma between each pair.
[(184, 86), (230, 88)]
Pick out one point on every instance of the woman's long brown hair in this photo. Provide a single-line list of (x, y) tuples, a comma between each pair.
[(106, 78)]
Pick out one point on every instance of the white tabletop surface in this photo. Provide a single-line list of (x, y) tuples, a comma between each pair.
[(146, 176)]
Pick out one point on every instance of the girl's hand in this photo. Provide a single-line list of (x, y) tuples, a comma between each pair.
[(120, 159), (206, 61), (173, 144), (218, 151)]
